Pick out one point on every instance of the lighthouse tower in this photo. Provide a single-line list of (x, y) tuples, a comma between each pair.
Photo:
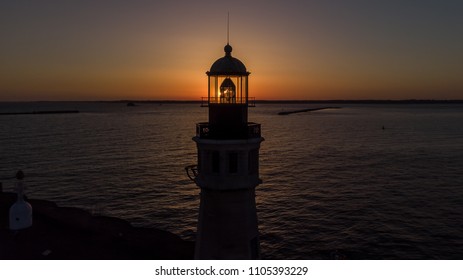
[(228, 166)]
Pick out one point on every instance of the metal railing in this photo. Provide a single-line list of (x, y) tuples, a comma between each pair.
[(192, 171), (204, 130), (251, 101)]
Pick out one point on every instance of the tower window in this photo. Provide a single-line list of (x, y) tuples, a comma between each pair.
[(253, 161), (233, 162), (215, 162)]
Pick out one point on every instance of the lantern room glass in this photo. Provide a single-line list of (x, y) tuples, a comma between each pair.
[(228, 89)]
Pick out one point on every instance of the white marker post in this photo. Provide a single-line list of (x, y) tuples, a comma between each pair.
[(20, 211)]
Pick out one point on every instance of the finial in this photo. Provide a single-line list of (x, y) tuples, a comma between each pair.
[(228, 49)]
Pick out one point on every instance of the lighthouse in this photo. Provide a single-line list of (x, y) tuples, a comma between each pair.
[(227, 170)]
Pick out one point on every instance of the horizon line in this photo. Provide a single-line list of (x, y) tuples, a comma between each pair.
[(257, 101)]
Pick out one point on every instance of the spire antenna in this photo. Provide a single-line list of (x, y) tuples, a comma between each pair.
[(228, 28)]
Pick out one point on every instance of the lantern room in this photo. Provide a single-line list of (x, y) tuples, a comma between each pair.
[(227, 98), (228, 80)]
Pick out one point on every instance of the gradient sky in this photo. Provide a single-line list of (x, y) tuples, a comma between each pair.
[(152, 50)]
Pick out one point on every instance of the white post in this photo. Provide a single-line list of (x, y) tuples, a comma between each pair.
[(20, 211)]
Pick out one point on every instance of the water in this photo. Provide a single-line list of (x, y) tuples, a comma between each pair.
[(335, 183)]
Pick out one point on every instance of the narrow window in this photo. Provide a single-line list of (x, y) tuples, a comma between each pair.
[(233, 162), (253, 161), (215, 162)]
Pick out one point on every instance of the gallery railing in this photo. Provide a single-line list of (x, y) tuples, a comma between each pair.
[(205, 101), (204, 130)]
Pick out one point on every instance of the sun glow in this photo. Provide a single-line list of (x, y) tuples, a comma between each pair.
[(160, 51)]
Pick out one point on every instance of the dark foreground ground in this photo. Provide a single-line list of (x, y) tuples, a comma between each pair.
[(71, 233)]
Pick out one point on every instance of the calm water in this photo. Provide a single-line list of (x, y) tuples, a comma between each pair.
[(335, 183)]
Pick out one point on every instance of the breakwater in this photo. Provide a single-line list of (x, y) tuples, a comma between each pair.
[(306, 110)]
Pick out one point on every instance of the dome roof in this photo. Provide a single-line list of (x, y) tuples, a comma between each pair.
[(228, 65)]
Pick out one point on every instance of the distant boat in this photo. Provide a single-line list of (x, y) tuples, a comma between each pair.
[(130, 104)]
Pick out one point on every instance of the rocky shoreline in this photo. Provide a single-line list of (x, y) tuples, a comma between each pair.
[(69, 233)]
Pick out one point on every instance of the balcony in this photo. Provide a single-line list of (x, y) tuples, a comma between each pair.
[(206, 131), (217, 100)]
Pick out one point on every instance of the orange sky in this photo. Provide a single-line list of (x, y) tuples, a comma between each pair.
[(111, 50)]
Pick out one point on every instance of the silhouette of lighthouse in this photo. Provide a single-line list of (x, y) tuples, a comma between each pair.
[(228, 166)]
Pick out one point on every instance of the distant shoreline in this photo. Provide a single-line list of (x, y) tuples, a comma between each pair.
[(360, 101), (41, 112)]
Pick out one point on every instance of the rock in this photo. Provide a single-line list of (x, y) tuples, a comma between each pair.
[(73, 233)]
